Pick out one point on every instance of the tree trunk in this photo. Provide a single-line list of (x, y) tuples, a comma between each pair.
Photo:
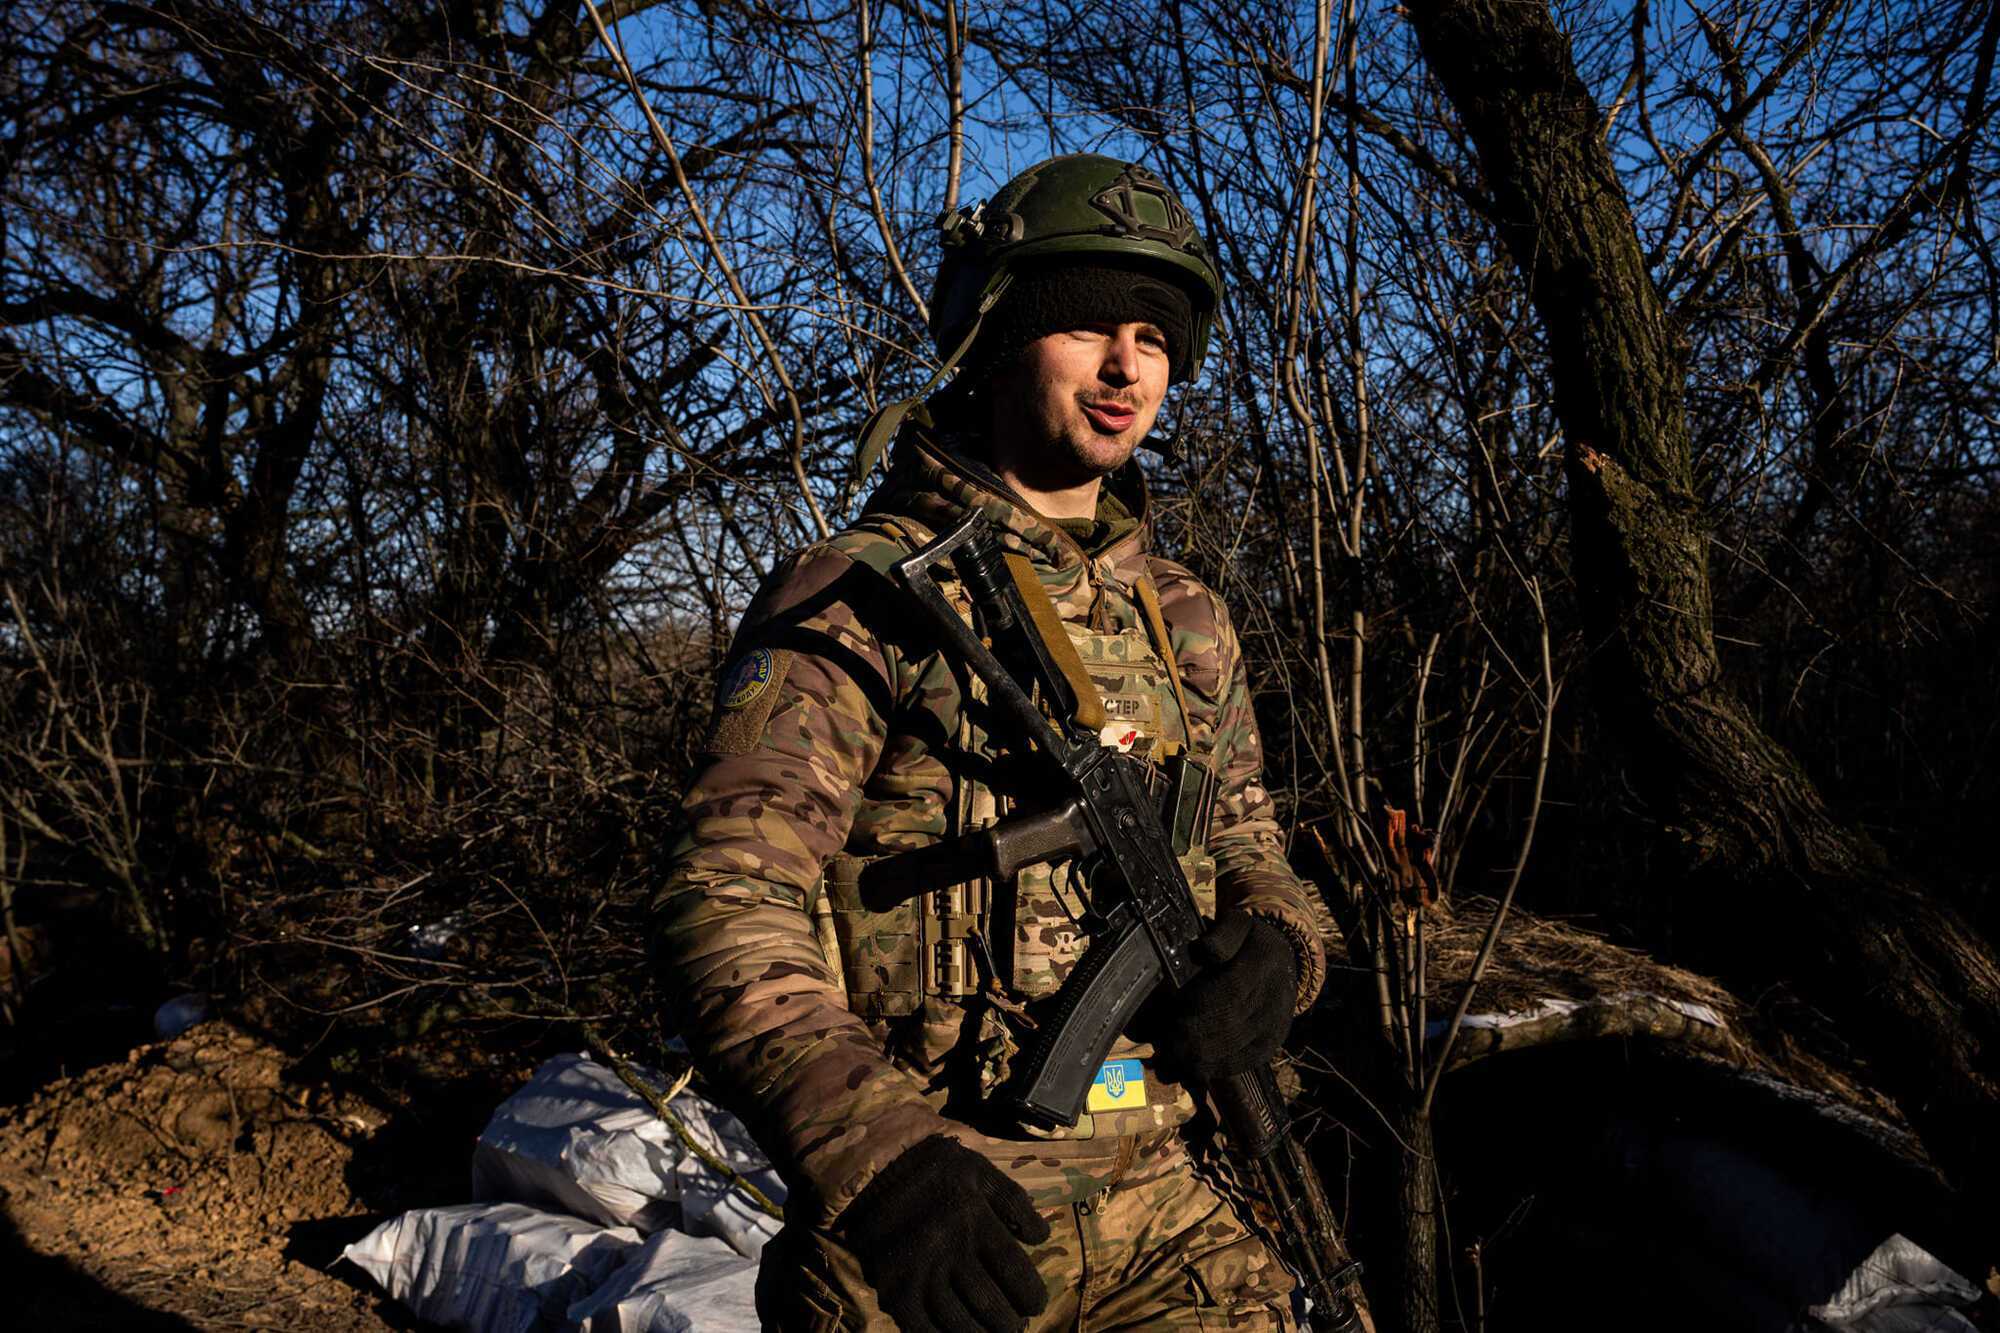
[(1419, 1286), (1770, 888)]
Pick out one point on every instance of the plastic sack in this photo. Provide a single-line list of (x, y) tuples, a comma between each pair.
[(496, 1268), (675, 1283), (1900, 1288), (576, 1138), (179, 1014)]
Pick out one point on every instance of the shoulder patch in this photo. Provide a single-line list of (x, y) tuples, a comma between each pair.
[(747, 679), (744, 698)]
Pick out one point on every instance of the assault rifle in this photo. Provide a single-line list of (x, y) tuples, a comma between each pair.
[(1121, 818)]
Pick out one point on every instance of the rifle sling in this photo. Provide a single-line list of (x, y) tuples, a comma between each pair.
[(1089, 707)]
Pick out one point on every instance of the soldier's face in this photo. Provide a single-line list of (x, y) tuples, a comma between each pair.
[(1077, 403)]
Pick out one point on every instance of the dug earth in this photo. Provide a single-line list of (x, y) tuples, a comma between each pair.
[(194, 1185)]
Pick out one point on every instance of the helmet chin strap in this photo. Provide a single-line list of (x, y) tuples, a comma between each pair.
[(887, 419)]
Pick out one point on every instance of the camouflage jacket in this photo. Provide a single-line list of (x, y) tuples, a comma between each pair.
[(842, 1032)]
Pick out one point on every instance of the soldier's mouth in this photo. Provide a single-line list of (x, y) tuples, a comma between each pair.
[(1109, 417)]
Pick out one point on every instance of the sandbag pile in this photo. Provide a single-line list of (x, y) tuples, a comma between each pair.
[(1900, 1288), (590, 1216)]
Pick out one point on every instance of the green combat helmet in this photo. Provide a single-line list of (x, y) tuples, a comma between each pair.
[(1082, 206)]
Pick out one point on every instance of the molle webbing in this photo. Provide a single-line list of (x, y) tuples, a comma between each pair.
[(1089, 708), (1149, 603), (945, 918)]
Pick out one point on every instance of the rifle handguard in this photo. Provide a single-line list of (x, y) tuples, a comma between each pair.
[(1252, 1111)]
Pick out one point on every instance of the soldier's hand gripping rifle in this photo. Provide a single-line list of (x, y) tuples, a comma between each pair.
[(1107, 814)]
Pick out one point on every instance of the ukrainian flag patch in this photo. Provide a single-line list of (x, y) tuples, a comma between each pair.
[(1120, 1085)]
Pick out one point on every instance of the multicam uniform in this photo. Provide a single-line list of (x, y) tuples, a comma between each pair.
[(846, 1031)]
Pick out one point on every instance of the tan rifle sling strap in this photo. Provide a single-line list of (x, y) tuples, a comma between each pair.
[(1089, 707), (1149, 603)]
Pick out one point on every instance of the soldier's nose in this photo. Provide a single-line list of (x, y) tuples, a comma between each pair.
[(1121, 355)]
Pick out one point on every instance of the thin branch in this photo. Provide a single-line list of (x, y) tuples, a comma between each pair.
[(892, 253), (756, 322), (1493, 927)]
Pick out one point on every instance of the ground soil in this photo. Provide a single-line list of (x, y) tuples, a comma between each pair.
[(197, 1184)]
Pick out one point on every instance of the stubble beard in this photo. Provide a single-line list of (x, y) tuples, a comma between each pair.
[(1067, 451), (1086, 453)]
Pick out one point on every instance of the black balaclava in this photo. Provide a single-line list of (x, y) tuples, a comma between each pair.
[(1050, 298)]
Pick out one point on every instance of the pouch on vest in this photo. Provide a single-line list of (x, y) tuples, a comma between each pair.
[(878, 949)]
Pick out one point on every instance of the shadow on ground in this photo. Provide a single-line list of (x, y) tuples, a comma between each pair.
[(53, 1296), (317, 1242)]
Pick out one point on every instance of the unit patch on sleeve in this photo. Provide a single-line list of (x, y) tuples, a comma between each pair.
[(744, 698)]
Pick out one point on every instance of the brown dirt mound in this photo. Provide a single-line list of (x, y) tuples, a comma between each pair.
[(178, 1189)]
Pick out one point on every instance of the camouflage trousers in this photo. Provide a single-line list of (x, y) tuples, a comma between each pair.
[(1156, 1249)]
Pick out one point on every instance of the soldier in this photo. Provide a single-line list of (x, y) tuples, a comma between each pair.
[(859, 1018)]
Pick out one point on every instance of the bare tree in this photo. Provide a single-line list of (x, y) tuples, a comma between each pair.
[(1771, 884)]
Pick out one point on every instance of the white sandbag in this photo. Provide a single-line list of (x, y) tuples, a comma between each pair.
[(710, 1204), (675, 1283), (576, 1138), (494, 1268), (1900, 1288)]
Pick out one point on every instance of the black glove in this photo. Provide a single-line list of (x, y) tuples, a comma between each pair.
[(1234, 1015), (940, 1232)]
